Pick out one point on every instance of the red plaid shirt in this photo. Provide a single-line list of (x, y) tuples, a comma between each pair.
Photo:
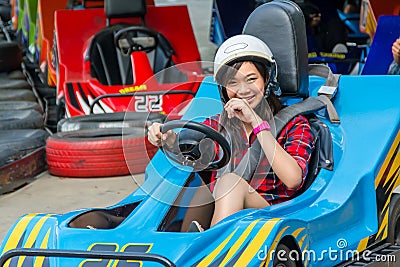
[(297, 139)]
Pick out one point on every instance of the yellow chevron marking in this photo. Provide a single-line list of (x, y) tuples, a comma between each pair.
[(391, 173), (256, 243), (238, 243), (16, 234), (385, 164), (301, 241), (390, 183), (275, 243), (302, 254), (297, 232), (363, 244), (383, 228), (40, 260), (207, 260), (32, 237)]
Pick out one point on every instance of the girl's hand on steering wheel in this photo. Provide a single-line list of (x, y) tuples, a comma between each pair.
[(156, 138)]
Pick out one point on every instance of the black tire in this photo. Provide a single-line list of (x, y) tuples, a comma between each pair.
[(20, 119), (5, 12), (10, 56), (7, 83), (286, 262), (98, 153), (17, 95), (394, 220), (15, 74), (16, 143), (20, 105), (46, 92), (109, 120)]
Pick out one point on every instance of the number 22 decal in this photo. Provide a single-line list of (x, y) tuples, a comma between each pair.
[(137, 248), (148, 103)]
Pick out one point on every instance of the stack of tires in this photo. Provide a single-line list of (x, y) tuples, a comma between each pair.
[(101, 145), (22, 134)]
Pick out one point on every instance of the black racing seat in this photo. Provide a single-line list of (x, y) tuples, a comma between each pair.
[(111, 64), (281, 25)]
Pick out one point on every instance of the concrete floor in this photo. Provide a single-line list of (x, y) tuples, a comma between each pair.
[(51, 194)]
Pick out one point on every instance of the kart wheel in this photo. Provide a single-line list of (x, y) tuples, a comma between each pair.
[(10, 56), (285, 261), (17, 95), (98, 153), (109, 120), (20, 119), (20, 105), (394, 220)]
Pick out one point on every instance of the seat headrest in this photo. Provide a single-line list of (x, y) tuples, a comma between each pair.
[(281, 25), (125, 8)]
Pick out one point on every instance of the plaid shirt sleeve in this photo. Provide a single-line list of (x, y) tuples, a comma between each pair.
[(298, 140)]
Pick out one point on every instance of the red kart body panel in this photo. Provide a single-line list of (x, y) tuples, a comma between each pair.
[(371, 10), (75, 29), (45, 37)]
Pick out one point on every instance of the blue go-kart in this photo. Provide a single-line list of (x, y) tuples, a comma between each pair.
[(347, 214)]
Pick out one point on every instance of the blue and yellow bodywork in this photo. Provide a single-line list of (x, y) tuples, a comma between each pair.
[(344, 211)]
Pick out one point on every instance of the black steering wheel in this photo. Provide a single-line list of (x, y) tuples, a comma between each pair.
[(140, 38), (193, 146)]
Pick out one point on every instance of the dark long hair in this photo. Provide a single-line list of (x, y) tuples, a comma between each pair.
[(265, 109)]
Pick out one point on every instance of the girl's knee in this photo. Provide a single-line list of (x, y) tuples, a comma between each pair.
[(229, 182)]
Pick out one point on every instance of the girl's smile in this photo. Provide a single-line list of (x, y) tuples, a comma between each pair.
[(247, 84)]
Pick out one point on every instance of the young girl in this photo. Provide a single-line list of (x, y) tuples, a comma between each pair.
[(246, 72)]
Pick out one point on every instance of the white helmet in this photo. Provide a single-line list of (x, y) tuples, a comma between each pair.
[(246, 47)]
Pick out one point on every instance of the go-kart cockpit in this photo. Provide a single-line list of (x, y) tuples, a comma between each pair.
[(184, 167)]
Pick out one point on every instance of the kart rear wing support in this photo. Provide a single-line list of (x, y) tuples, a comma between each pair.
[(84, 255), (173, 92)]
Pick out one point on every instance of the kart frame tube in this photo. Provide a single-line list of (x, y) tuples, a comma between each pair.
[(174, 92)]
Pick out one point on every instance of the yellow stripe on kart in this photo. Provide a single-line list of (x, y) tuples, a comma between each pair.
[(363, 244), (392, 172), (210, 258), (385, 164), (256, 243), (238, 243), (16, 234), (40, 260), (32, 237)]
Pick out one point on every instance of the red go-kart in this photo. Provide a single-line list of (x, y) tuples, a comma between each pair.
[(105, 58)]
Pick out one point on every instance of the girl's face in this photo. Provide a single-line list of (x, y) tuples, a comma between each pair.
[(247, 84)]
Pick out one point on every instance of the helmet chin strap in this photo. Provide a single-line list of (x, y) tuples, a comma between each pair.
[(223, 94), (273, 85)]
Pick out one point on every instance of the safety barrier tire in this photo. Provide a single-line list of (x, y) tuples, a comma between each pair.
[(20, 105), (20, 119), (5, 12), (16, 143), (109, 120), (7, 83), (10, 56), (15, 74), (17, 95), (98, 153)]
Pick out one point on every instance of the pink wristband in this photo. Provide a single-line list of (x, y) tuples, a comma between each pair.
[(264, 126)]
